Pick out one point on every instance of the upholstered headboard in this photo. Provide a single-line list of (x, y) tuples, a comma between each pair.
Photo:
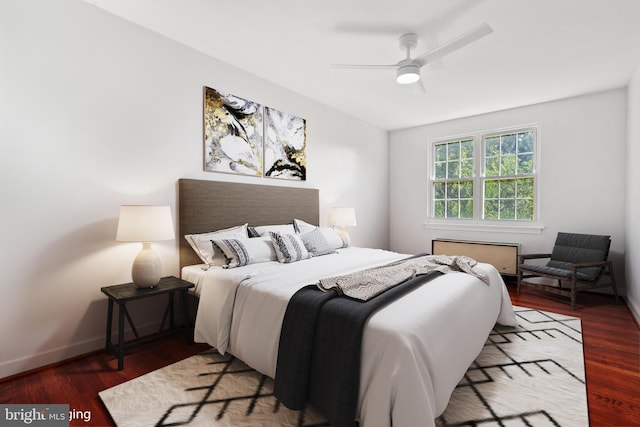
[(213, 205)]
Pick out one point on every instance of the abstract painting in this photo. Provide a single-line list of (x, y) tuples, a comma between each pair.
[(233, 132), (284, 145)]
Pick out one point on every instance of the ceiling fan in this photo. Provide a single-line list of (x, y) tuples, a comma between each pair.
[(408, 69)]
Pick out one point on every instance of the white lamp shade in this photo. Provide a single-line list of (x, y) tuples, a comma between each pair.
[(143, 223), (342, 217)]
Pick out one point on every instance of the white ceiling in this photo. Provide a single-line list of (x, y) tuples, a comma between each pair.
[(539, 50)]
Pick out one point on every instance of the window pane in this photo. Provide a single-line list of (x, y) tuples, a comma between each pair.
[(507, 209), (525, 188), (466, 170), (508, 165), (492, 146), (492, 166), (453, 169), (508, 144), (438, 208), (441, 152), (454, 151), (438, 191), (507, 189), (466, 189), (491, 189), (491, 209), (466, 149), (452, 190), (466, 208), (525, 163), (441, 170), (525, 142), (452, 208), (524, 209)]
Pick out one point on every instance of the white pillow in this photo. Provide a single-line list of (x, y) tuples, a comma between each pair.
[(263, 230), (202, 245), (332, 237), (303, 227), (289, 247), (239, 252)]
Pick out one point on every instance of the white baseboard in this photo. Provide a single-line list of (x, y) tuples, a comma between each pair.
[(48, 357), (59, 354), (634, 308)]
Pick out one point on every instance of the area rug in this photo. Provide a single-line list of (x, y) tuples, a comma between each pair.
[(531, 375)]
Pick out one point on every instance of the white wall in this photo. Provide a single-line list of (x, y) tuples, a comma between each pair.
[(97, 112), (581, 174), (632, 230)]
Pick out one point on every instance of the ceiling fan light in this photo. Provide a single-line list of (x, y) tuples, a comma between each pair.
[(408, 74)]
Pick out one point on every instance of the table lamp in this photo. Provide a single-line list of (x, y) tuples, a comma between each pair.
[(145, 224), (341, 218)]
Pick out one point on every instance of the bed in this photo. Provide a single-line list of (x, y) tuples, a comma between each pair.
[(414, 350)]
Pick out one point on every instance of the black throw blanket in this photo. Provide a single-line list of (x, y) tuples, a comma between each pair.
[(320, 349)]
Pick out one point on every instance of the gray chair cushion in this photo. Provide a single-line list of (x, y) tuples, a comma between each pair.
[(564, 273)]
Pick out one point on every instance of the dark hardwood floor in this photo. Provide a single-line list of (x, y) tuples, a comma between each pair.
[(611, 351), (78, 382), (611, 342)]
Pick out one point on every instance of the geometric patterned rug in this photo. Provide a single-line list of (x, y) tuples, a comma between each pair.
[(203, 390), (531, 375)]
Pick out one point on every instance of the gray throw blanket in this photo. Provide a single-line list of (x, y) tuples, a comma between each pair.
[(366, 284)]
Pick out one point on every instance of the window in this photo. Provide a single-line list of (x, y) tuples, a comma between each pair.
[(508, 181), (453, 183), (504, 190)]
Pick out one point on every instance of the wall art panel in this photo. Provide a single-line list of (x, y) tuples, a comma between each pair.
[(284, 145), (233, 134)]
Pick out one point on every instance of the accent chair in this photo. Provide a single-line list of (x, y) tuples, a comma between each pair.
[(578, 262)]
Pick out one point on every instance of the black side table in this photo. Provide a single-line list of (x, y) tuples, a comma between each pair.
[(121, 294)]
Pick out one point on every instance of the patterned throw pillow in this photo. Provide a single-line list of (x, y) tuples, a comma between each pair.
[(316, 243), (239, 252), (289, 247), (208, 253)]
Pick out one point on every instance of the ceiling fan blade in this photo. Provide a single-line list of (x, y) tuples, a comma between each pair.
[(365, 66), (454, 44)]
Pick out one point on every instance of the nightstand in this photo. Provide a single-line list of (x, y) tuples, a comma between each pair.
[(121, 294)]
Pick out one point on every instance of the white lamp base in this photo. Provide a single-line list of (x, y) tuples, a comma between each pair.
[(147, 268), (344, 236)]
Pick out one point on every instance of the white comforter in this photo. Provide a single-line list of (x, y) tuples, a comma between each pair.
[(415, 350)]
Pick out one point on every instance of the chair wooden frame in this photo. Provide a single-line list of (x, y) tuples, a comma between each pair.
[(575, 285)]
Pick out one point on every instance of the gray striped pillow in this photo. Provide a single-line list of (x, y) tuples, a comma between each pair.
[(289, 247), (240, 252)]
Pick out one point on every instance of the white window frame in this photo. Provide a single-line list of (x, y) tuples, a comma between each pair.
[(478, 223)]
